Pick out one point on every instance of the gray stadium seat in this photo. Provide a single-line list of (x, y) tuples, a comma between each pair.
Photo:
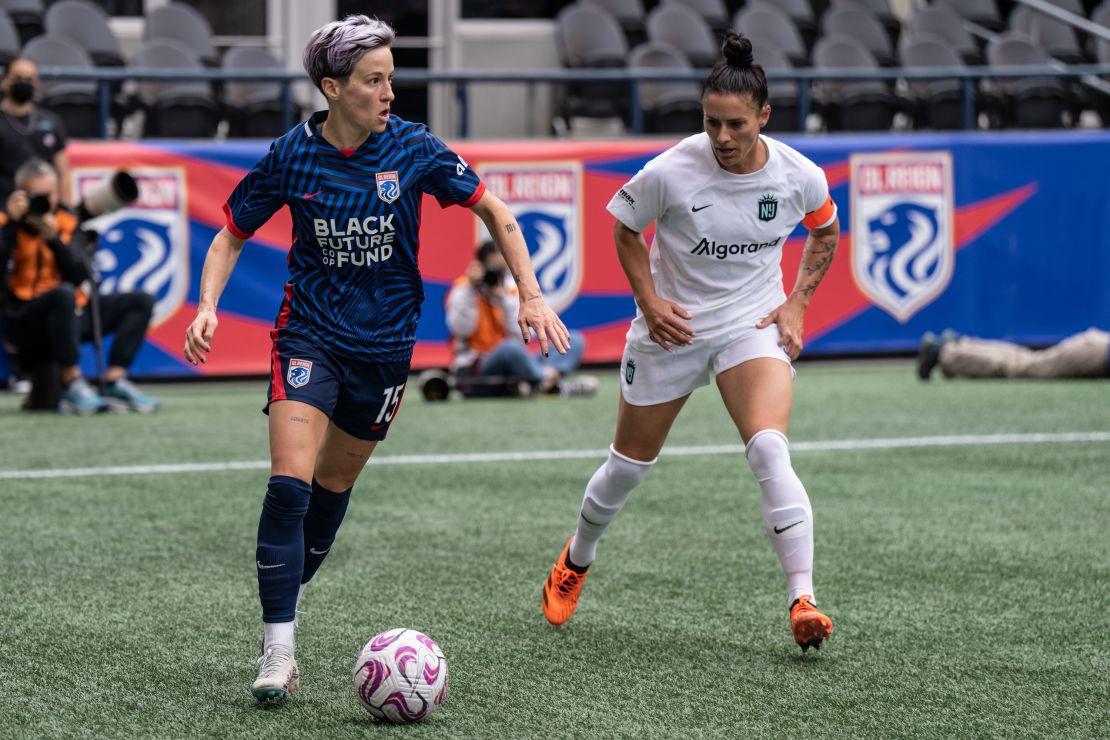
[(26, 16), (184, 109), (939, 21), (1034, 102), (1100, 48), (712, 12), (9, 40), (185, 24), (74, 101), (863, 26), (682, 27), (587, 36), (630, 14), (880, 9), (87, 24), (781, 94), (1058, 39), (939, 103), (981, 12), (760, 21), (856, 105), (799, 11), (255, 108), (669, 107)]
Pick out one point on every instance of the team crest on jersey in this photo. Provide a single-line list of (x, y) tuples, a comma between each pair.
[(903, 252), (299, 373), (144, 245), (546, 198), (768, 207), (629, 371), (389, 187)]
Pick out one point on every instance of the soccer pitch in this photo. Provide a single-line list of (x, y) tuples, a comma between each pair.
[(966, 572)]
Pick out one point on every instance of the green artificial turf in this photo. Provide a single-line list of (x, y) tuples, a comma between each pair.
[(967, 583)]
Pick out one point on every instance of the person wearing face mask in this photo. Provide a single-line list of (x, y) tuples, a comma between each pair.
[(45, 311), (28, 130)]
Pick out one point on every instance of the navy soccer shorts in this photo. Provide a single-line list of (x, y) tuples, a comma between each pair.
[(361, 398)]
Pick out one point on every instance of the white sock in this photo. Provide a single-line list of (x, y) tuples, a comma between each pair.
[(606, 494), (786, 511), (277, 633)]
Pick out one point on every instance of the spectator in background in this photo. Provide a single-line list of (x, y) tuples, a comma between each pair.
[(1083, 355), (45, 316), (27, 130), (482, 318)]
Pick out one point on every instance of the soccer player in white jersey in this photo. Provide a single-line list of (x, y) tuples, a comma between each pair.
[(710, 299)]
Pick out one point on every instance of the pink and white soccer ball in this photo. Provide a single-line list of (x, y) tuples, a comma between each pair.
[(401, 676)]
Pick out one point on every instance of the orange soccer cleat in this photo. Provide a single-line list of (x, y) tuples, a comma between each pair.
[(561, 589), (809, 626)]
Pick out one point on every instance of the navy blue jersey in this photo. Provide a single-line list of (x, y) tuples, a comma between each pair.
[(354, 283)]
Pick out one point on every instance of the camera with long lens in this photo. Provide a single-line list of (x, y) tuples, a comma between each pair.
[(113, 193), (38, 205), (493, 277)]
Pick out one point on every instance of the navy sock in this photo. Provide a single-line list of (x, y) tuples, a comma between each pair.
[(280, 553), (325, 514)]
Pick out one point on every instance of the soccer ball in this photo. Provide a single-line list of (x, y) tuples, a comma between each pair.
[(401, 676)]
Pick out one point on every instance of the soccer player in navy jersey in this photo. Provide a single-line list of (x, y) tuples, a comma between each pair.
[(353, 177)]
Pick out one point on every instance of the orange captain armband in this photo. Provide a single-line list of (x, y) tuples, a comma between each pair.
[(821, 217)]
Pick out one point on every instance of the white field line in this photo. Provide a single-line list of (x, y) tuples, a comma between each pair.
[(492, 457)]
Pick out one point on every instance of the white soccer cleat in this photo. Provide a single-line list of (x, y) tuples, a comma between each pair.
[(278, 676)]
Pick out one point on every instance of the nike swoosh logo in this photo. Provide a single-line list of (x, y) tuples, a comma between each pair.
[(310, 196), (314, 551), (695, 209), (376, 427), (788, 526), (267, 567)]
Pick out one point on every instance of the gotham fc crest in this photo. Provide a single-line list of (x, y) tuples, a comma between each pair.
[(629, 371), (768, 207)]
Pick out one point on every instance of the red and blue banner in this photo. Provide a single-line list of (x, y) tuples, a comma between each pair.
[(999, 235)]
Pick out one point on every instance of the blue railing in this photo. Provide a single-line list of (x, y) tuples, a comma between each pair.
[(106, 78)]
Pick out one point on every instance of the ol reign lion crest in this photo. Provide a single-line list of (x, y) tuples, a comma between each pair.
[(903, 250), (546, 198), (389, 187), (299, 373), (144, 245)]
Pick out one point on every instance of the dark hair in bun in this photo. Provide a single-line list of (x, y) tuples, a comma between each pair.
[(737, 73)]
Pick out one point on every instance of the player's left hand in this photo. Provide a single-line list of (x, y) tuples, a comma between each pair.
[(535, 315), (790, 317)]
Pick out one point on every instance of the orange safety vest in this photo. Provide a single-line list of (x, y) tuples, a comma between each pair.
[(34, 270)]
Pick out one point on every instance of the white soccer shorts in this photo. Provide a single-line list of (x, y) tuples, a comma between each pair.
[(652, 375)]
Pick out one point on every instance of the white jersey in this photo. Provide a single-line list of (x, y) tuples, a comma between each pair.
[(718, 235)]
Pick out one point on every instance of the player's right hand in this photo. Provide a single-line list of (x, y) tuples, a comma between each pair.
[(198, 337), (665, 322), (17, 205)]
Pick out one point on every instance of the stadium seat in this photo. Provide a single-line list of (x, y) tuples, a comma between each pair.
[(669, 107), (1100, 48), (589, 37), (684, 29), (74, 101), (939, 21), (712, 12), (630, 14), (9, 40), (938, 104), (760, 21), (1032, 102), (185, 24), (26, 16), (856, 105), (861, 25), (880, 9), (781, 94), (254, 108), (184, 109), (980, 12), (87, 24), (1058, 39), (799, 11)]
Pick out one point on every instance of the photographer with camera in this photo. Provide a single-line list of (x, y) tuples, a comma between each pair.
[(489, 357), (46, 313)]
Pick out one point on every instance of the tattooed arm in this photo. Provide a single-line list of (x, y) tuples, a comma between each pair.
[(816, 259)]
